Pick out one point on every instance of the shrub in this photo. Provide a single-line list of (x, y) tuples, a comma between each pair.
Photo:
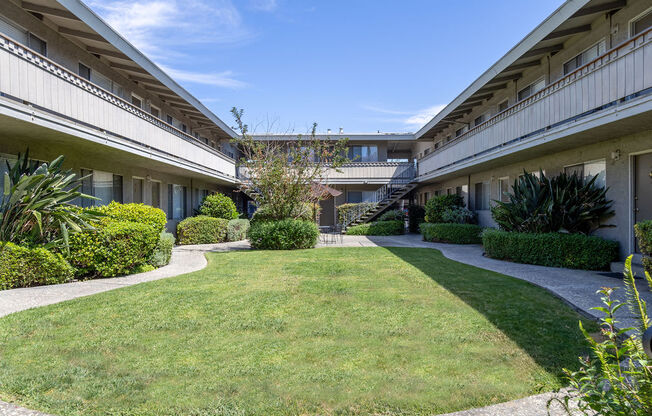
[(237, 230), (458, 215), (416, 216), (140, 213), (218, 206), (545, 205), (452, 233), (202, 230), (163, 251), (574, 251), (286, 234), (436, 206), (643, 232), (344, 211), (378, 228), (305, 212), (114, 248), (23, 267), (392, 215)]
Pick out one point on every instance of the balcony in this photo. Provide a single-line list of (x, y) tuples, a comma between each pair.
[(610, 88), (370, 173), (37, 90)]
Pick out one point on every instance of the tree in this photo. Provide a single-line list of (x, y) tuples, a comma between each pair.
[(286, 177)]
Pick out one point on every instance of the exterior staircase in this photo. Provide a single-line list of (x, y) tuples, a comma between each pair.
[(399, 186)]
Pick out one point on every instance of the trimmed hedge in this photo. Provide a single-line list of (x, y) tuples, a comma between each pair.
[(452, 233), (237, 230), (286, 234), (24, 267), (378, 228), (218, 206), (114, 248), (163, 251), (436, 206), (202, 230), (574, 251), (140, 213), (643, 232), (392, 215)]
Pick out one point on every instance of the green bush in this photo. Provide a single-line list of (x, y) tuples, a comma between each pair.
[(344, 210), (378, 228), (643, 232), (306, 212), (283, 235), (163, 251), (140, 213), (452, 233), (458, 215), (202, 230), (392, 215), (114, 248), (24, 267), (574, 251), (436, 206), (237, 230), (218, 206), (416, 216)]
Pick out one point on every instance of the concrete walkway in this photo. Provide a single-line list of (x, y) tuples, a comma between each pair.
[(576, 287)]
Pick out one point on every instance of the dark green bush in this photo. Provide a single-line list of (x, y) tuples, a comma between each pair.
[(140, 213), (574, 251), (392, 215), (283, 235), (378, 228), (218, 206), (643, 232), (436, 206), (163, 251), (547, 205), (458, 215), (114, 248), (237, 230), (202, 230), (452, 233), (25, 267), (345, 209), (416, 216), (305, 212)]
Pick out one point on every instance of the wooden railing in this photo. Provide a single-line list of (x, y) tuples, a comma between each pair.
[(31, 79), (620, 74), (369, 172)]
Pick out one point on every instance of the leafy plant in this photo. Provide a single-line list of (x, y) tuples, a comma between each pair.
[(452, 233), (392, 227), (202, 230), (346, 210), (163, 251), (643, 232), (436, 206), (37, 205), (392, 215), (219, 206), (562, 203), (617, 378), (237, 229), (31, 266), (458, 215), (141, 213), (288, 234)]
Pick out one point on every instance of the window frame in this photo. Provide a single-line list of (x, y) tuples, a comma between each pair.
[(79, 71), (632, 22), (139, 98), (501, 195), (518, 93), (152, 108), (31, 35), (603, 40)]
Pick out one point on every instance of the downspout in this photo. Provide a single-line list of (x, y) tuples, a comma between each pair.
[(468, 193)]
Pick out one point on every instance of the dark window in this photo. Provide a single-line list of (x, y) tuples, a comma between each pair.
[(155, 112), (136, 101), (38, 44), (641, 24), (170, 120), (479, 120), (117, 188), (84, 72), (87, 187), (503, 106)]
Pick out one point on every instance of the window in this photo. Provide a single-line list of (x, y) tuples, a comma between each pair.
[(169, 119), (13, 31), (84, 72), (177, 196), (356, 197), (103, 185), (156, 194), (588, 170), (531, 89), (641, 23), (479, 120), (437, 192), (155, 111), (38, 44), (137, 101), (184, 128), (585, 57), (461, 131), (481, 201), (138, 188), (502, 106), (503, 189), (363, 153), (459, 191)]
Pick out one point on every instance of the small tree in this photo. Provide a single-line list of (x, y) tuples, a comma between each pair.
[(286, 177)]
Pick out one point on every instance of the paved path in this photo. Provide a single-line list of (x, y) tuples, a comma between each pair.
[(576, 287)]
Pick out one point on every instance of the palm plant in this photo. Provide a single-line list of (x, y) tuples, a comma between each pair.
[(36, 206)]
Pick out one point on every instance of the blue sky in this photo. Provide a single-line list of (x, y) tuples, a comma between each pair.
[(364, 65)]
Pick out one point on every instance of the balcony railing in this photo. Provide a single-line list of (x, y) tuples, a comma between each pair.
[(31, 79), (370, 172), (621, 74)]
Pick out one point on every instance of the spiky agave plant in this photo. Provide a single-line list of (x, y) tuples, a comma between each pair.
[(37, 208)]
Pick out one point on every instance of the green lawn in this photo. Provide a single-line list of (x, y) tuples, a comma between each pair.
[(326, 331)]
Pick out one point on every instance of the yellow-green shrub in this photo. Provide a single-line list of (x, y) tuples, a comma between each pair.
[(202, 230), (140, 213), (24, 266)]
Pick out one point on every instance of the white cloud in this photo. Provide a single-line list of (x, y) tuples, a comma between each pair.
[(221, 79), (409, 118), (264, 5)]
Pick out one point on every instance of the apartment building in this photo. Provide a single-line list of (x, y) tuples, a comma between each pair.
[(71, 85), (574, 96)]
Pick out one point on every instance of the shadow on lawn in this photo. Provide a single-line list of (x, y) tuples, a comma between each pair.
[(541, 324)]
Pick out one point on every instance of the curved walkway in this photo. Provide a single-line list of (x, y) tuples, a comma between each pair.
[(576, 287)]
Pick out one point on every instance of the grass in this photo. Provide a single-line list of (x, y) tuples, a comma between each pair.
[(328, 331)]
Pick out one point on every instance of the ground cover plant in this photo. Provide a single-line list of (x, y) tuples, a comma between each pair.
[(365, 330)]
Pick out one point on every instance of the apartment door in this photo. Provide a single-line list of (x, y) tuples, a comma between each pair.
[(642, 188)]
